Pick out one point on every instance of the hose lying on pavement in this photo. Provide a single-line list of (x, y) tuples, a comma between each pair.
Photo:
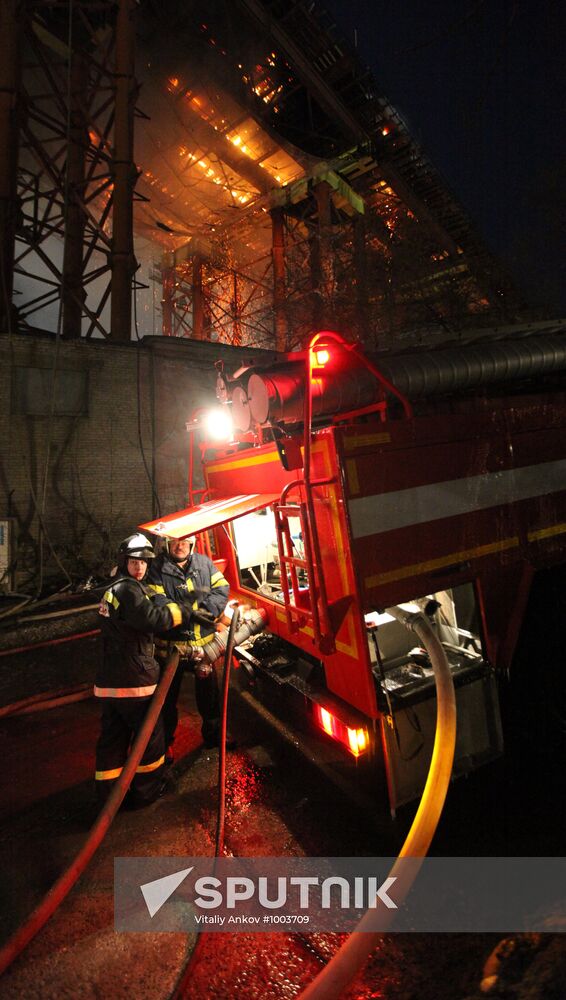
[(65, 883), (349, 960), (229, 639), (222, 641)]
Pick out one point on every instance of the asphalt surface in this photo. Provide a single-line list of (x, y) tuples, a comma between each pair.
[(277, 804)]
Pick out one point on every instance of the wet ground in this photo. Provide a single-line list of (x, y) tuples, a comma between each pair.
[(277, 804)]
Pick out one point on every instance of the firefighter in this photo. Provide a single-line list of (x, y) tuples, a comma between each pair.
[(183, 574), (128, 674)]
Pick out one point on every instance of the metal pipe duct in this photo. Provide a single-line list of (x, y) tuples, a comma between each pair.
[(279, 398), (454, 369), (275, 395)]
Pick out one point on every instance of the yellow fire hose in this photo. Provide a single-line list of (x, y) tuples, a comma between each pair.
[(340, 971), (349, 960)]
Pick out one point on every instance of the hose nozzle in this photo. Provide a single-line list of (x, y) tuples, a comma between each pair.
[(253, 621)]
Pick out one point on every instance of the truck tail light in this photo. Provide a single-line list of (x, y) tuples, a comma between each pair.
[(354, 739), (357, 741)]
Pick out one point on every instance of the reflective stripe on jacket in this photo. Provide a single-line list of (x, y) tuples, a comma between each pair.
[(129, 616), (199, 577)]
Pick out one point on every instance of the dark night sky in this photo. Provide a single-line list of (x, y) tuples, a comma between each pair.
[(480, 84)]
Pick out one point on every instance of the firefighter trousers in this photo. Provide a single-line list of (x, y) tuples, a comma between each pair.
[(207, 697), (122, 718)]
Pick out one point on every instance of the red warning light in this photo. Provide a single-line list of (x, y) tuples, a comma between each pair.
[(319, 358)]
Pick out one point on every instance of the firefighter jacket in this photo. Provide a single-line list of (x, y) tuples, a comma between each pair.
[(198, 578), (129, 616)]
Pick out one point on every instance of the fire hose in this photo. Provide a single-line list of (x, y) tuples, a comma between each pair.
[(254, 621), (234, 637), (343, 967), (232, 632), (38, 918), (351, 957), (58, 892)]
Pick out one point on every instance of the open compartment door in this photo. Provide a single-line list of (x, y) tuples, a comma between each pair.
[(201, 517)]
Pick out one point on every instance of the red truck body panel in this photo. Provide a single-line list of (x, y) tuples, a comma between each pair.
[(469, 492), (405, 508), (348, 672)]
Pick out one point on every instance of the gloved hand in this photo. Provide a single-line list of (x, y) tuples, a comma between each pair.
[(186, 612), (203, 617)]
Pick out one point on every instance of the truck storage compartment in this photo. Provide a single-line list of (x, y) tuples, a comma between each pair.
[(406, 690)]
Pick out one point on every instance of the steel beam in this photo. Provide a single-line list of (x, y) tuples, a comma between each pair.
[(124, 174), (337, 110), (322, 269), (205, 136), (10, 49), (361, 273), (237, 327), (168, 301), (278, 252), (198, 299), (321, 90), (73, 292)]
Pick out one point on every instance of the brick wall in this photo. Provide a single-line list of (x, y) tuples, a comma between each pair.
[(97, 486)]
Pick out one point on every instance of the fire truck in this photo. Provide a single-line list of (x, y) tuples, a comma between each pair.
[(435, 481)]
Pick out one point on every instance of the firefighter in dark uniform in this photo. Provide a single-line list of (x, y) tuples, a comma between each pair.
[(128, 674), (185, 575)]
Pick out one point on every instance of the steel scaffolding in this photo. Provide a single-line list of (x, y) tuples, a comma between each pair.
[(67, 173)]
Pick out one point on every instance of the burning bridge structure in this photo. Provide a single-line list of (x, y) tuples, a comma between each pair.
[(229, 169)]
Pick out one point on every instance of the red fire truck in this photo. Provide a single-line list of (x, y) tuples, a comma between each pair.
[(435, 481)]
